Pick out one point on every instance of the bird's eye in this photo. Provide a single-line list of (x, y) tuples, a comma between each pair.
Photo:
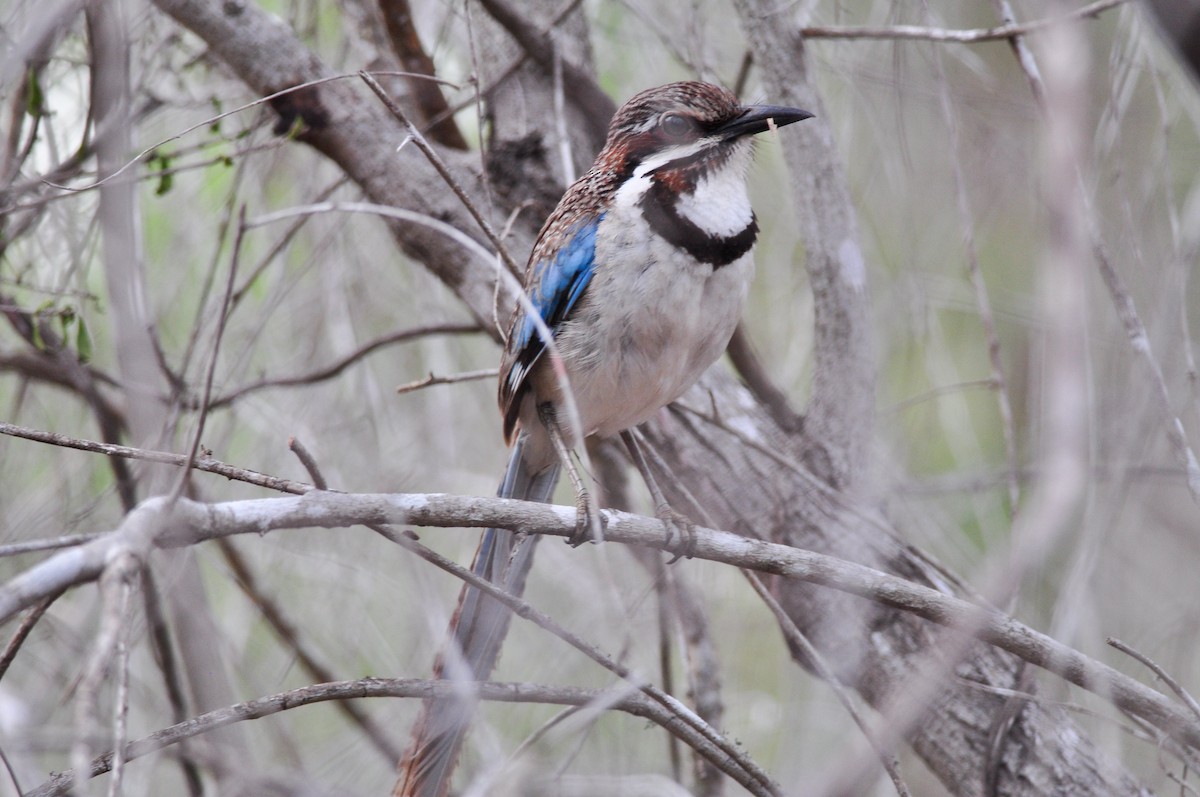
[(675, 125)]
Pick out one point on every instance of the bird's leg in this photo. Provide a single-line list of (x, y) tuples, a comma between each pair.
[(589, 524), (681, 531)]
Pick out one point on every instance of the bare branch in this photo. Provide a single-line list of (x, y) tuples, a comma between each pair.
[(155, 525), (973, 36), (745, 359), (840, 417), (982, 301), (406, 43), (816, 661), (28, 622), (270, 58), (1162, 674), (341, 364), (117, 582), (429, 381), (289, 634), (636, 704), (583, 90), (310, 464), (444, 171), (211, 369), (206, 464)]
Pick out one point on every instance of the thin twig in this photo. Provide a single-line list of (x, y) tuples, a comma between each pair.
[(466, 376), (163, 648), (635, 704), (938, 392), (289, 634), (206, 464), (218, 336), (444, 171), (1021, 49), (1139, 340), (231, 211), (750, 367), (968, 36), (33, 546), (983, 303), (12, 773), (338, 366), (400, 214), (322, 196), (210, 121), (813, 658), (115, 584), (121, 698), (28, 622), (664, 660), (1163, 675), (746, 772), (309, 463)]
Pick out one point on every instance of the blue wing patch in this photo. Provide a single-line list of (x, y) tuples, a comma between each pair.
[(558, 283), (555, 287)]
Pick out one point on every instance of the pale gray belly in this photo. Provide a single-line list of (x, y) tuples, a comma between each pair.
[(643, 337)]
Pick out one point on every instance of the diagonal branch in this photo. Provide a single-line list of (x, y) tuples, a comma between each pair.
[(157, 524), (618, 700), (357, 134), (580, 87), (406, 43)]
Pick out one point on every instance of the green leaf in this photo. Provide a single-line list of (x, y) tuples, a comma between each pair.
[(160, 161), (45, 308), (35, 103), (83, 341), (215, 127), (166, 181), (65, 317)]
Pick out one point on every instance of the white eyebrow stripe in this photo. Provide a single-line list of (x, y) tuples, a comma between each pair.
[(674, 153)]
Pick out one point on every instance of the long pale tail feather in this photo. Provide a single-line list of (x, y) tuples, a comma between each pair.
[(477, 631)]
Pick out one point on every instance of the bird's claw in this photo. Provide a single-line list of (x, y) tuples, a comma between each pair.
[(681, 533), (589, 522)]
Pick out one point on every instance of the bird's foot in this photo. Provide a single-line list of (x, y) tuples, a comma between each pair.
[(589, 522), (681, 532)]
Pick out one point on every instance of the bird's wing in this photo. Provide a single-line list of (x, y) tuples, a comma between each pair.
[(555, 286)]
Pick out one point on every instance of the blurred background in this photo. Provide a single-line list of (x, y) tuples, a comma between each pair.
[(945, 150)]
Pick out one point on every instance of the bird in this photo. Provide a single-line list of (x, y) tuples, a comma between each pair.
[(632, 290)]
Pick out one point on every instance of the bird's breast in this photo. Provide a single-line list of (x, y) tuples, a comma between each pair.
[(654, 318)]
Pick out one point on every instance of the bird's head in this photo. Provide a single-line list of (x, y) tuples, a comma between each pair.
[(686, 129)]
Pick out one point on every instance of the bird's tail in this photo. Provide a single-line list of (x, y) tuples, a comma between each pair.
[(477, 631)]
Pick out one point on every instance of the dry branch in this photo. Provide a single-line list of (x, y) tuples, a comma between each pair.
[(1008, 30), (743, 489), (156, 524), (611, 699)]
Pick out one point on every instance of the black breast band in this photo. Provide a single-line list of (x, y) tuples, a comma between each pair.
[(659, 204)]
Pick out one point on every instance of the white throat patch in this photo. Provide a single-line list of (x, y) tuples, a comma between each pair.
[(720, 205)]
